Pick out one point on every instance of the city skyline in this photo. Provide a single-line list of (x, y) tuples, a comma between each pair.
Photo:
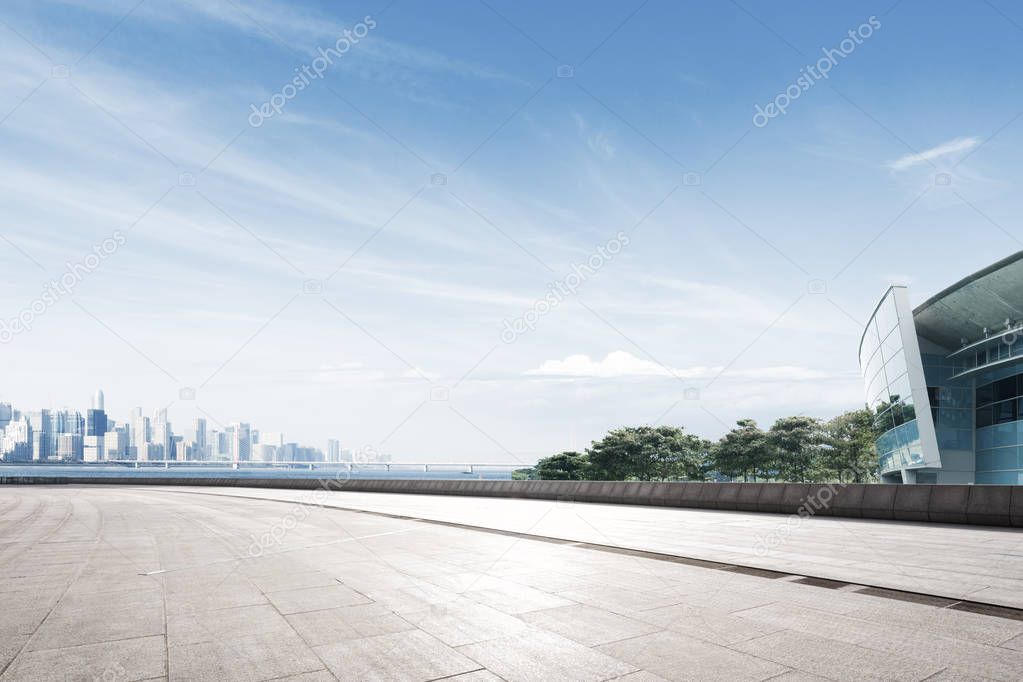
[(66, 435)]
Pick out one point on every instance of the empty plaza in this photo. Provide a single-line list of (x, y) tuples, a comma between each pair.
[(122, 583)]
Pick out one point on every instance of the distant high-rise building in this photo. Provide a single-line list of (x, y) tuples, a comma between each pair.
[(95, 428), (70, 447), (6, 415), (333, 450), (68, 423), (42, 435), (116, 443), (162, 434), (146, 452), (94, 449), (16, 441), (200, 433), (241, 448), (141, 430)]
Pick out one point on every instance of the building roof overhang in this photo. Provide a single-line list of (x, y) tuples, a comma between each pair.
[(984, 300)]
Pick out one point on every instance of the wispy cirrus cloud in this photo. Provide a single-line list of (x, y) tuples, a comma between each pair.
[(956, 146)]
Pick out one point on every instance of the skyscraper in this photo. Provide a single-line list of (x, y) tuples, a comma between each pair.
[(42, 435), (69, 447), (241, 448), (200, 434), (162, 435), (95, 429), (16, 441), (333, 450)]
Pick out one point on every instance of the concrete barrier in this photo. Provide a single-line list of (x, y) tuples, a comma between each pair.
[(912, 503), (990, 505), (819, 498), (1016, 506), (793, 497), (948, 504), (688, 495), (660, 494), (587, 491), (748, 498), (728, 496), (848, 500), (770, 499), (708, 496), (878, 502)]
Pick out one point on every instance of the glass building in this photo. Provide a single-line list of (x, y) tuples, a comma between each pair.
[(945, 380)]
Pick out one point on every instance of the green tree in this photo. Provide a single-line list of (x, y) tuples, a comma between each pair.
[(797, 443), (648, 453), (850, 456), (524, 474), (564, 466), (743, 452)]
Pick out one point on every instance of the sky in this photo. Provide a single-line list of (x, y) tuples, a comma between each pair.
[(487, 231)]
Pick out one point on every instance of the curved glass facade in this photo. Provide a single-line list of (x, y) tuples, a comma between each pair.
[(889, 391)]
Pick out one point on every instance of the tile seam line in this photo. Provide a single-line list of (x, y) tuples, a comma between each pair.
[(619, 549)]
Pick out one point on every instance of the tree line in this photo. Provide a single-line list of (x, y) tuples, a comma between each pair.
[(794, 449)]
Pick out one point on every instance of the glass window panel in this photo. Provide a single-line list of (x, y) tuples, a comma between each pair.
[(899, 388), (954, 419), (985, 394), (998, 459), (887, 442), (908, 410), (956, 439), (1006, 388), (897, 415), (1004, 411), (896, 365), (985, 438), (1004, 434), (883, 422), (985, 417), (891, 344), (886, 316), (872, 367)]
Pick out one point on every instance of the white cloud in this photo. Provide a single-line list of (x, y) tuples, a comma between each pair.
[(331, 368), (616, 364), (960, 144), (601, 145), (418, 373), (624, 364), (599, 142)]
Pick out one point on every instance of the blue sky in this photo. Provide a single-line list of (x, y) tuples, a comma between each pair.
[(346, 268)]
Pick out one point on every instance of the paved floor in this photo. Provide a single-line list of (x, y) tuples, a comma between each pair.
[(962, 562), (129, 584)]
